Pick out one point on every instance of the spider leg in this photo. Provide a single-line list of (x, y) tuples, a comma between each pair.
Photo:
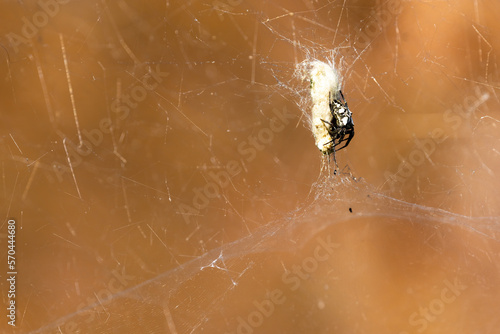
[(326, 122), (333, 133), (343, 102), (335, 160), (350, 135), (340, 142)]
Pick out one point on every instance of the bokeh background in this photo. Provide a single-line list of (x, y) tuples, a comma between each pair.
[(157, 159)]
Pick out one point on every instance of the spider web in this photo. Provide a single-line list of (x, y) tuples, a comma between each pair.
[(170, 182)]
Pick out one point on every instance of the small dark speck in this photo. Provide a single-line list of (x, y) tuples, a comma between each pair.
[(350, 210)]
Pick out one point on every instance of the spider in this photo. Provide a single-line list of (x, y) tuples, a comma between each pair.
[(341, 127)]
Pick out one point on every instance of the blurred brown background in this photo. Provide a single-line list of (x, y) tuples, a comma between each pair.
[(157, 160)]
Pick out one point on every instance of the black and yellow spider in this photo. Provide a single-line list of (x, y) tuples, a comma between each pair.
[(341, 127)]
